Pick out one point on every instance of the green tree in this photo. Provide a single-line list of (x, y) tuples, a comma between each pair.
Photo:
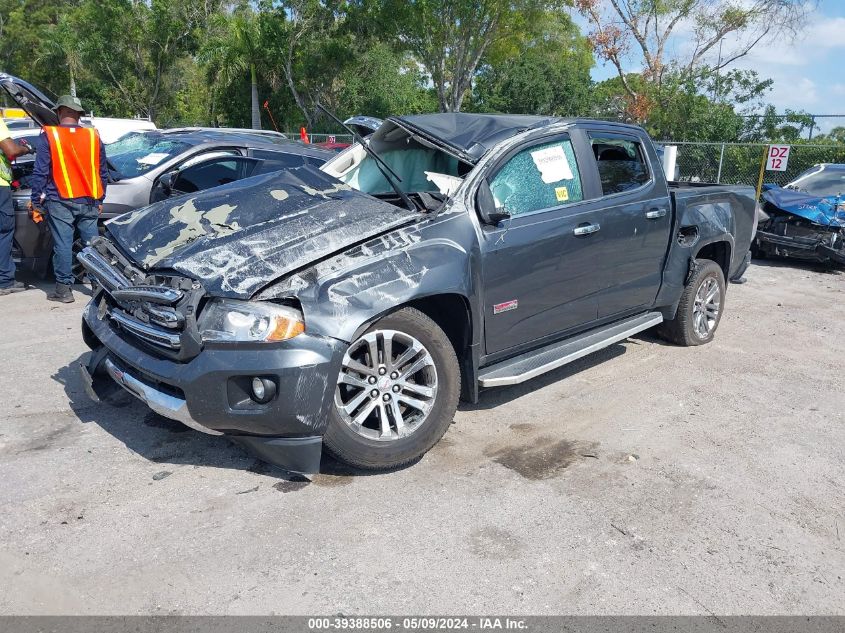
[(451, 37), (25, 27), (62, 46), (544, 72), (837, 135), (236, 49), (772, 127), (702, 106), (133, 47), (382, 82), (640, 33)]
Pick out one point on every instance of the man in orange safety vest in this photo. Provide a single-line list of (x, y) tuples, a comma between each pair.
[(68, 183)]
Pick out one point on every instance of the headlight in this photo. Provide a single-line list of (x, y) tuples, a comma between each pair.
[(231, 320)]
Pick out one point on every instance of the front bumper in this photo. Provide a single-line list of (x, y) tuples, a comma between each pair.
[(808, 248), (207, 394), (162, 403)]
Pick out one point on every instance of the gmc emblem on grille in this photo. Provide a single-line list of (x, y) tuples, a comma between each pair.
[(498, 308)]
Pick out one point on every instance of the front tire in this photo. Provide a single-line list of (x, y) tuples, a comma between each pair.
[(396, 393), (701, 307)]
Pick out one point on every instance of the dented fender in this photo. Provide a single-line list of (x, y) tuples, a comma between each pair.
[(344, 294)]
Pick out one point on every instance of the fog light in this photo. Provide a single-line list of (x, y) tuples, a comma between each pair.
[(263, 390)]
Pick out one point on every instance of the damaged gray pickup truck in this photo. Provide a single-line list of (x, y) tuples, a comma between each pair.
[(351, 306)]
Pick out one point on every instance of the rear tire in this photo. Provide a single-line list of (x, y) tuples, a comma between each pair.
[(396, 393), (700, 309)]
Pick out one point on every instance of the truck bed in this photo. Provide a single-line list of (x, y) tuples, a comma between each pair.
[(734, 204)]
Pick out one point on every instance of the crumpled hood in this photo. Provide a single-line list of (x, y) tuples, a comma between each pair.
[(239, 237), (829, 211)]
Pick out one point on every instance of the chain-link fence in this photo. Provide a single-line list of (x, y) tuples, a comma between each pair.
[(738, 163)]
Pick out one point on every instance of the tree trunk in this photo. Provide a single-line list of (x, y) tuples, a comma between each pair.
[(295, 93), (212, 114), (256, 112), (72, 81)]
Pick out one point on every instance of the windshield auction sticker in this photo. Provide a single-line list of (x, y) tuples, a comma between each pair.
[(552, 164), (153, 159)]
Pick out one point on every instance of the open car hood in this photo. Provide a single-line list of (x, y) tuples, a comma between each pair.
[(36, 104), (469, 136), (363, 125), (240, 237), (827, 211)]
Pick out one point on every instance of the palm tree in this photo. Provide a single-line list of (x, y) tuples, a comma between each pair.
[(235, 50), (63, 42)]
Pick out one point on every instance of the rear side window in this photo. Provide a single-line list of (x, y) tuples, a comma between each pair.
[(278, 160), (539, 177), (621, 164)]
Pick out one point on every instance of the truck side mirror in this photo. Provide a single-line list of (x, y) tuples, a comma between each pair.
[(487, 205)]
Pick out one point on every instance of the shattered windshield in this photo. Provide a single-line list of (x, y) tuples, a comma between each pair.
[(826, 182), (418, 166), (412, 165), (137, 153)]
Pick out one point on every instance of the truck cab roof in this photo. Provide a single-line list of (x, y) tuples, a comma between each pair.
[(470, 136)]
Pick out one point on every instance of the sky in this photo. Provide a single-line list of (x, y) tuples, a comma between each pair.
[(808, 72)]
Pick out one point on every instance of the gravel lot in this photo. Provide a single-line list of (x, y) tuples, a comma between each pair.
[(647, 479)]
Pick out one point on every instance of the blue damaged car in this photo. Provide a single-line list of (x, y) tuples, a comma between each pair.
[(805, 220)]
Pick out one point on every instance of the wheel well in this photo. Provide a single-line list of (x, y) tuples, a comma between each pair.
[(451, 313), (719, 252)]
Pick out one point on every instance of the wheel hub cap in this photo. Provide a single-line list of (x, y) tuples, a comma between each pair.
[(387, 385), (705, 311)]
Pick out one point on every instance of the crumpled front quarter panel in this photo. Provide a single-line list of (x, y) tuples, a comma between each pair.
[(342, 294)]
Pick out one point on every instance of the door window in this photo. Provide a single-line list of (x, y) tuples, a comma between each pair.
[(621, 164), (212, 173), (539, 177)]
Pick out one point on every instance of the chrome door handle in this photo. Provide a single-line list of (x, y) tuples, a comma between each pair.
[(653, 214), (586, 230)]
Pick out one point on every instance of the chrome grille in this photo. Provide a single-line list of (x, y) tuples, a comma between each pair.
[(153, 294), (99, 267), (133, 301), (144, 331)]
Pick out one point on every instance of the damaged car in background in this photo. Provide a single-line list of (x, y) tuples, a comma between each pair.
[(350, 306), (145, 166), (805, 219)]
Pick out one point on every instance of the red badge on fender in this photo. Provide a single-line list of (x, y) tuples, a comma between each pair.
[(513, 304)]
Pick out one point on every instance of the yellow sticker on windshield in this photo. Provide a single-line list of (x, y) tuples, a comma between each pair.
[(562, 194)]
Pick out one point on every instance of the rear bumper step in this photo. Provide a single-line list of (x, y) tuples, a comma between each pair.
[(532, 364)]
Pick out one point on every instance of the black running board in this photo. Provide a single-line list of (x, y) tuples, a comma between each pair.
[(531, 364)]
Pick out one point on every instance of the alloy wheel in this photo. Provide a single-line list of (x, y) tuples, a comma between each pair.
[(705, 311), (387, 385)]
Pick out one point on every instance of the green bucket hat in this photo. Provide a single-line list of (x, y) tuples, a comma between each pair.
[(72, 103)]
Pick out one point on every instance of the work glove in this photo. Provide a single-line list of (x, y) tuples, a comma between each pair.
[(24, 143), (36, 214)]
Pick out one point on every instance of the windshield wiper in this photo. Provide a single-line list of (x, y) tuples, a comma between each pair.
[(383, 167)]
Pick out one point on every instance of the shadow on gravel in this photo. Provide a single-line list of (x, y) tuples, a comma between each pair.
[(48, 284), (785, 262), (164, 441)]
